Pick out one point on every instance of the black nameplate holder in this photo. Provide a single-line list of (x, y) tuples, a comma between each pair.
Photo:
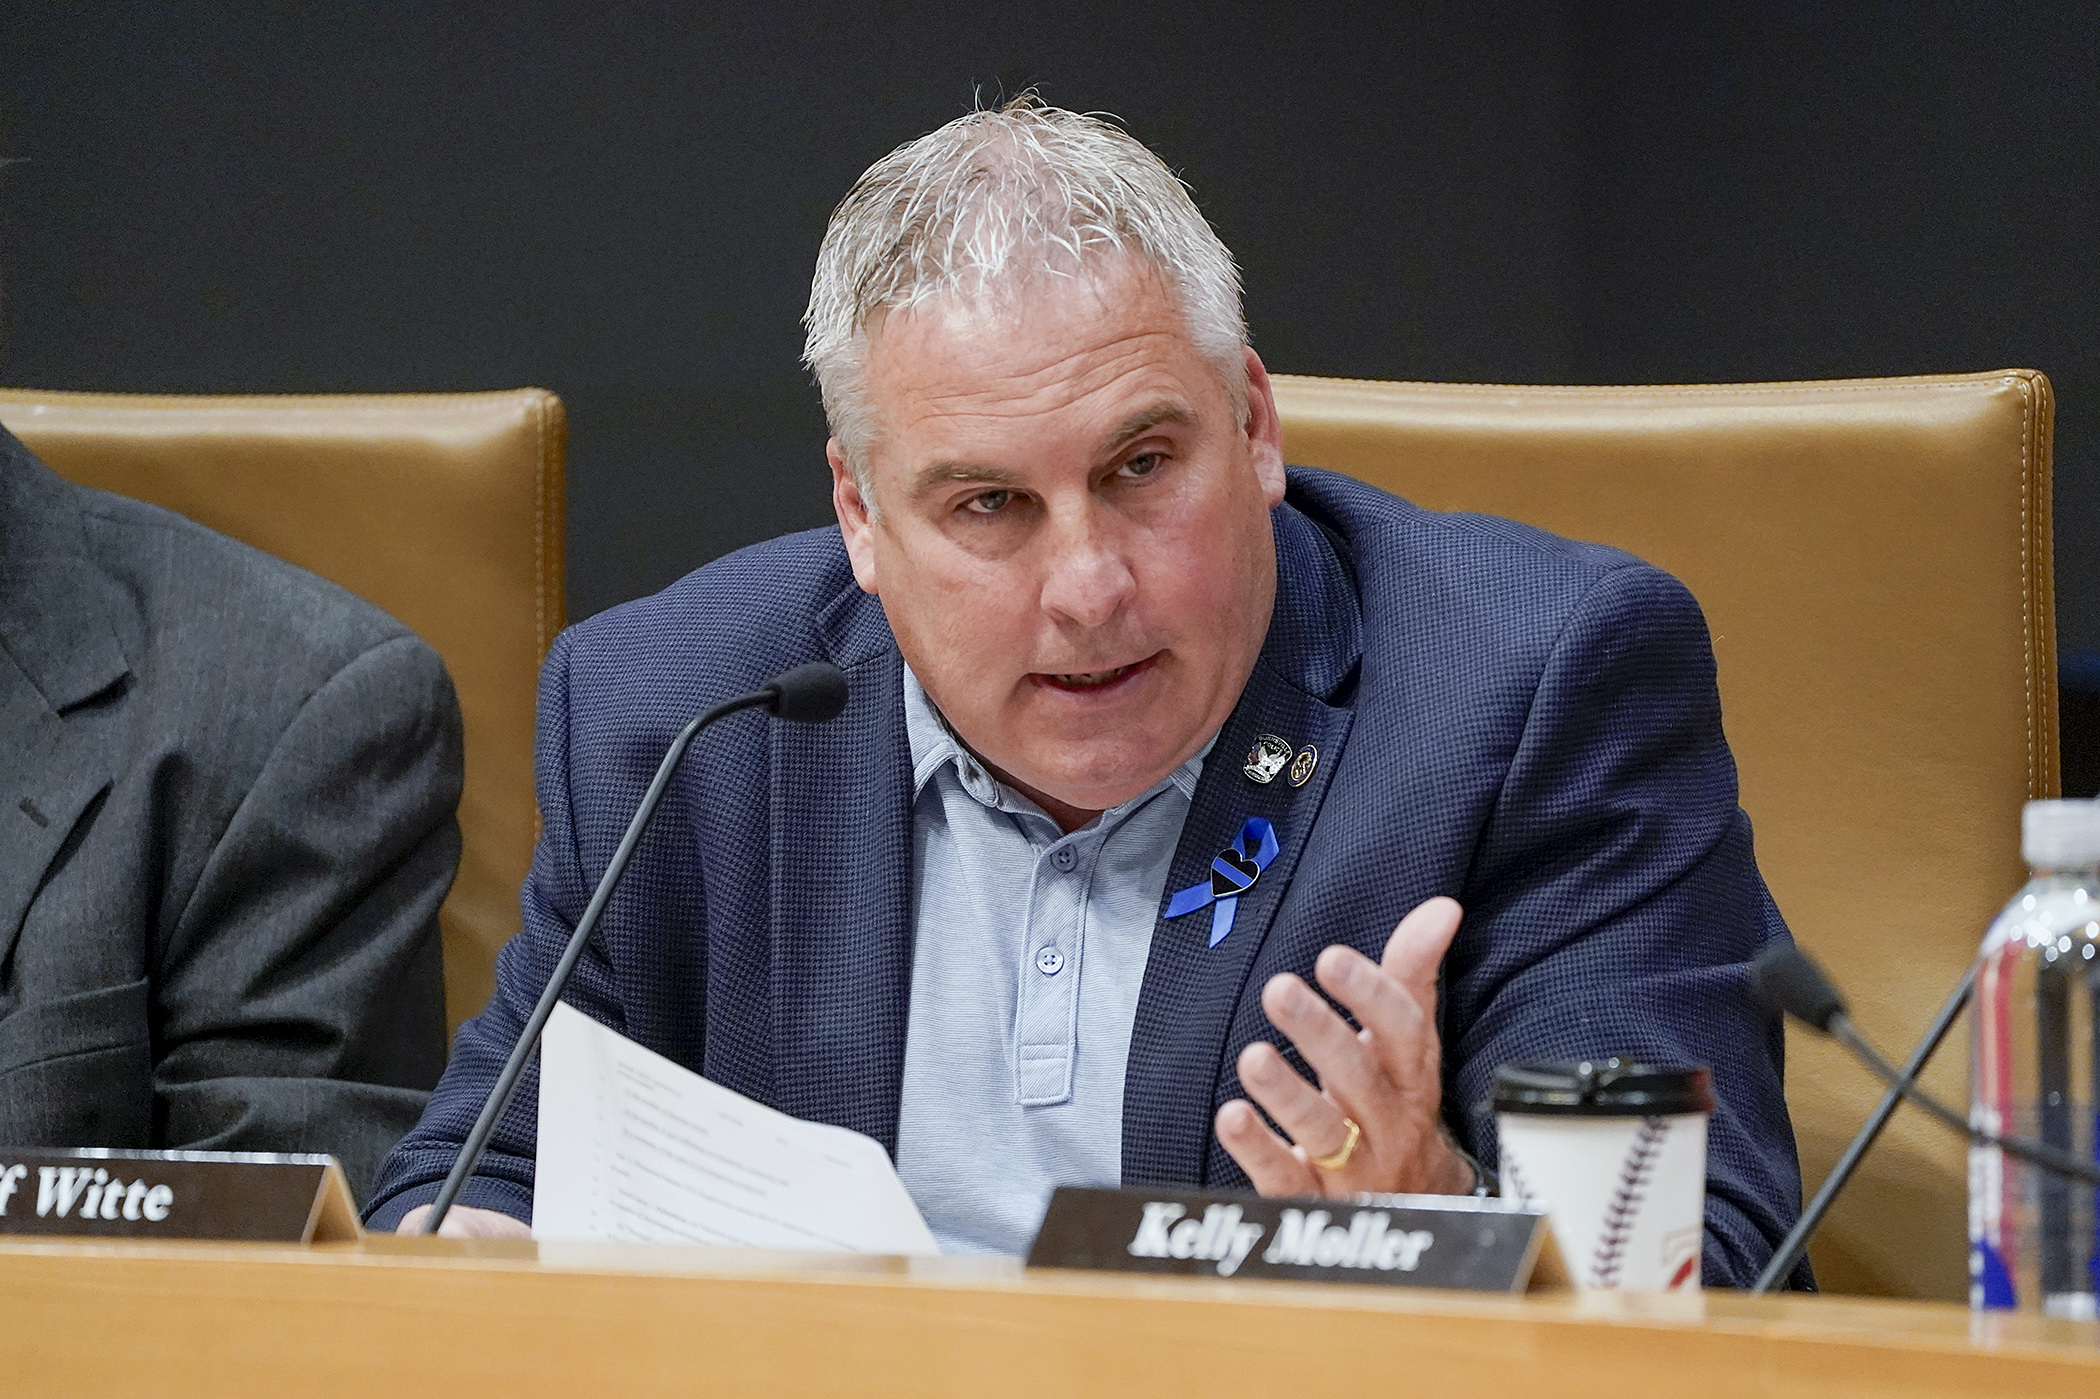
[(1440, 1241), (98, 1193)]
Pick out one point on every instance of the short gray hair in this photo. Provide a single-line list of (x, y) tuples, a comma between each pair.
[(994, 199)]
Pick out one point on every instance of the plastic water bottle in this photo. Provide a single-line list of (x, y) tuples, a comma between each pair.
[(2032, 1062)]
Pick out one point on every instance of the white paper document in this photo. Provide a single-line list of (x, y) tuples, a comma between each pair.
[(635, 1147)]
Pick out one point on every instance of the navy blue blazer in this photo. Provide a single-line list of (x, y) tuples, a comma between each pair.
[(1528, 724)]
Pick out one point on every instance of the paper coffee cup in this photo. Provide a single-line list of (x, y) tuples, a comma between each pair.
[(1614, 1152)]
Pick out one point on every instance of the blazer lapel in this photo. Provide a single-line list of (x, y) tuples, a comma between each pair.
[(58, 649), (58, 613), (54, 773), (1191, 989), (841, 890)]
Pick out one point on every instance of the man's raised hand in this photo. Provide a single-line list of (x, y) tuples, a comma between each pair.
[(1384, 1077)]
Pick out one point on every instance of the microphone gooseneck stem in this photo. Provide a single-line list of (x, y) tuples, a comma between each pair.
[(1790, 1248), (2035, 1153), (528, 1039)]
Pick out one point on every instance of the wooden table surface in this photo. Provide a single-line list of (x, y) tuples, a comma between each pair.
[(394, 1316)]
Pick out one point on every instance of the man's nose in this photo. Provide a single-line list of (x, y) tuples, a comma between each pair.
[(1087, 579)]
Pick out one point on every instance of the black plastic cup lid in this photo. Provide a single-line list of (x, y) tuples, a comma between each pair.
[(1612, 1087)]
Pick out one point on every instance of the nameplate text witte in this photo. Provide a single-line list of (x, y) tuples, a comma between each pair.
[(1405, 1240), (174, 1195)]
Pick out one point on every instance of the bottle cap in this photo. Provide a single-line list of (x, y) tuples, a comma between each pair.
[(1612, 1087), (2060, 834)]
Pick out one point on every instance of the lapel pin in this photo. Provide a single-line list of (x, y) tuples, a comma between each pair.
[(1302, 766), (1266, 758), (1233, 871)]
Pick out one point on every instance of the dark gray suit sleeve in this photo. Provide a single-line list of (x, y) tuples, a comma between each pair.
[(299, 1002), (554, 897)]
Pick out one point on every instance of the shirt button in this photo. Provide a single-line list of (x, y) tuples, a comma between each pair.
[(1064, 857), (1049, 961)]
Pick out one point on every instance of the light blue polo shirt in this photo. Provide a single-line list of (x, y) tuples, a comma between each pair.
[(1029, 949)]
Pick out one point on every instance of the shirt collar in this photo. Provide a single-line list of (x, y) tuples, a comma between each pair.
[(934, 746)]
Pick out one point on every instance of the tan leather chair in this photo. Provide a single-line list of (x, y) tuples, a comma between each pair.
[(1874, 561), (443, 509)]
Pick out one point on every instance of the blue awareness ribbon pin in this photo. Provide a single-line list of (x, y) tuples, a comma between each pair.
[(1232, 873)]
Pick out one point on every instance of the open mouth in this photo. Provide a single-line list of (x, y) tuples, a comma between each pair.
[(1093, 680)]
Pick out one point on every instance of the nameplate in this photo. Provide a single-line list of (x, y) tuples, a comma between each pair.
[(1406, 1240), (93, 1192)]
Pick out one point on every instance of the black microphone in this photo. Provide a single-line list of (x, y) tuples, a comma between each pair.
[(1788, 981), (1791, 1247), (808, 694)]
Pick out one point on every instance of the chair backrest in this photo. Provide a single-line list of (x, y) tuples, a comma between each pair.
[(1874, 561), (443, 509)]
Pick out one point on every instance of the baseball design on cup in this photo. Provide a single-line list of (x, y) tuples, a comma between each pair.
[(1614, 1151)]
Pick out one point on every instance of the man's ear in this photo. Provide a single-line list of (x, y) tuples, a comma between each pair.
[(1264, 430), (856, 517)]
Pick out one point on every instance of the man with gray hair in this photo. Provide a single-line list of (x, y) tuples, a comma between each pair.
[(1148, 736)]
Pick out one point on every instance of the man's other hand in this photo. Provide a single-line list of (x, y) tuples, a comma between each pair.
[(466, 1222), (1385, 1077)]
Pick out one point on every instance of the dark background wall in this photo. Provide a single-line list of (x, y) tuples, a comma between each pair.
[(621, 202)]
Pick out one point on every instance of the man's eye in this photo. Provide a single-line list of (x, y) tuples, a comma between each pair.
[(1144, 465), (990, 503)]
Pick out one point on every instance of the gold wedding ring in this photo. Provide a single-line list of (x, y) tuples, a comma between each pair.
[(1348, 1148)]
